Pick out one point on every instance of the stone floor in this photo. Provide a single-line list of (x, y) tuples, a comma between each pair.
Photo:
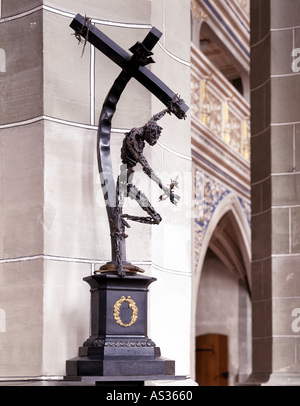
[(61, 382)]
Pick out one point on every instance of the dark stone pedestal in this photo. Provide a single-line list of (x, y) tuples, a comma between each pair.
[(118, 345)]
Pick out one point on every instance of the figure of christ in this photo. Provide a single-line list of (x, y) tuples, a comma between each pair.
[(132, 154)]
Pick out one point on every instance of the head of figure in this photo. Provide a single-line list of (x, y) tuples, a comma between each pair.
[(152, 132)]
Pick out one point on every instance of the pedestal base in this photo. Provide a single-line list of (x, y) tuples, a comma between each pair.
[(116, 366), (137, 380), (118, 345)]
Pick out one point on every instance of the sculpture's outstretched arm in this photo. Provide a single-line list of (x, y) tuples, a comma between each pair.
[(159, 115)]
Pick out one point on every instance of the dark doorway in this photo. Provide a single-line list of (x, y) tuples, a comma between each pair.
[(212, 360)]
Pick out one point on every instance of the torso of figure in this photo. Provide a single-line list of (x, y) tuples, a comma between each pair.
[(132, 148)]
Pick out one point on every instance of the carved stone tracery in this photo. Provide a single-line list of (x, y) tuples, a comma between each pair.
[(198, 12), (209, 109)]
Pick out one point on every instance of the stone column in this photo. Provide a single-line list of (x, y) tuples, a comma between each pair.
[(275, 192)]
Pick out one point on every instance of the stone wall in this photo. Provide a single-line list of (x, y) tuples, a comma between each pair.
[(53, 225), (275, 192)]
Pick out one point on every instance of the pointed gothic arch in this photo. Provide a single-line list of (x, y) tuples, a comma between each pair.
[(234, 250), (219, 50)]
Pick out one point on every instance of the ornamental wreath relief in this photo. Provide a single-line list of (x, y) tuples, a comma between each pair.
[(132, 306)]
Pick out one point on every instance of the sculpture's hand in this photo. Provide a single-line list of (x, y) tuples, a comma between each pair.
[(174, 198), (169, 193)]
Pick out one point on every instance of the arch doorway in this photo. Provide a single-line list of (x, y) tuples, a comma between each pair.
[(223, 310)]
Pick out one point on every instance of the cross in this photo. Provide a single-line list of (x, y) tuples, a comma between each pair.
[(133, 66)]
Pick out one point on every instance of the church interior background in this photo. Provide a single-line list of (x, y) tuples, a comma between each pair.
[(220, 64), (222, 303)]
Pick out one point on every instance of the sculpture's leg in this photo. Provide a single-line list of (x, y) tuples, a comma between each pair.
[(135, 194)]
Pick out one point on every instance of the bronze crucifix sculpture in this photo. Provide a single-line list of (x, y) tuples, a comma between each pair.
[(133, 66)]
